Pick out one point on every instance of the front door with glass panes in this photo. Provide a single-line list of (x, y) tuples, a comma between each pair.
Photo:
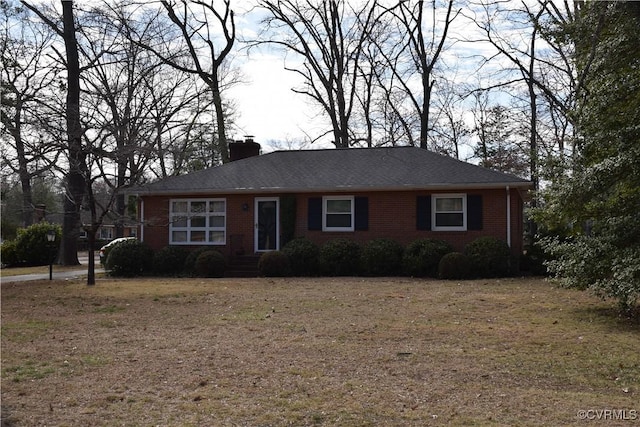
[(267, 224)]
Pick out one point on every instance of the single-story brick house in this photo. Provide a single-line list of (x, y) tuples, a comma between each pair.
[(256, 203)]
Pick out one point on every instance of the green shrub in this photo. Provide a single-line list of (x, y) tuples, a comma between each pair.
[(32, 246), (422, 257), (274, 264), (169, 261), (106, 248), (382, 257), (489, 257), (210, 263), (534, 259), (189, 267), (339, 257), (9, 228), (303, 257), (454, 266), (9, 253), (129, 258)]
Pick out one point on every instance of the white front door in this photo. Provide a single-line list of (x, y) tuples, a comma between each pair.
[(267, 224)]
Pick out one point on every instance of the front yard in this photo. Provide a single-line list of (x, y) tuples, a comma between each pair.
[(334, 351)]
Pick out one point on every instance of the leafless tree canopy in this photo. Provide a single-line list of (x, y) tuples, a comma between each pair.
[(146, 96)]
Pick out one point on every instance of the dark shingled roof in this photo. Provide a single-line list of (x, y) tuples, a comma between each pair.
[(354, 169)]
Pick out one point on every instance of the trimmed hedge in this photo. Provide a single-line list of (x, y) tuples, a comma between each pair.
[(129, 258), (489, 257), (189, 267), (422, 257), (382, 257), (303, 256), (340, 257), (210, 263), (169, 261), (274, 264), (454, 266)]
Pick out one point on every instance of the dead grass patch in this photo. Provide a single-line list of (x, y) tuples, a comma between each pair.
[(339, 351)]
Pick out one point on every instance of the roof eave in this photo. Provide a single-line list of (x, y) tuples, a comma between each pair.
[(522, 185)]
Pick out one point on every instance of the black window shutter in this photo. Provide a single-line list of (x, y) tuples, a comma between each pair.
[(314, 215), (474, 212), (423, 212), (361, 213)]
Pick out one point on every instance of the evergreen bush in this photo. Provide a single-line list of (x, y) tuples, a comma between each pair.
[(534, 259), (382, 257), (489, 257), (210, 263), (454, 266), (303, 256), (189, 267), (274, 264), (422, 257), (9, 253), (339, 257), (169, 261), (106, 247), (33, 248), (129, 258)]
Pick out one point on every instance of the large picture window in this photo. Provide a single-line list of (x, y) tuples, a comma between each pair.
[(449, 212), (338, 213), (198, 221)]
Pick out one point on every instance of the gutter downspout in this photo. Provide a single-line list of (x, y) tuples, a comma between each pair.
[(508, 217)]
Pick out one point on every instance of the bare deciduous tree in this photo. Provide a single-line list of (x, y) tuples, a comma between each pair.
[(208, 33), (329, 37), (417, 52), (77, 172), (27, 79)]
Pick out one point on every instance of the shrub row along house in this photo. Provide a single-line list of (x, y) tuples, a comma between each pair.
[(256, 203)]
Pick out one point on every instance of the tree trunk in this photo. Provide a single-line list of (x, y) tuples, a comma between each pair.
[(222, 132), (91, 269), (75, 179), (91, 238), (25, 178)]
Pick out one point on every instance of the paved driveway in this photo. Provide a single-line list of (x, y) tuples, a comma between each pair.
[(80, 272)]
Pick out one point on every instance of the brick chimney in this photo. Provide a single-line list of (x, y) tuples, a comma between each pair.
[(241, 150)]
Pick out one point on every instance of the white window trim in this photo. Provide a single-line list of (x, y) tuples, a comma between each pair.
[(188, 229), (325, 200), (434, 197), (105, 233)]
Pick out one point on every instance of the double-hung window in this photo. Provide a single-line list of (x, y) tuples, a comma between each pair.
[(449, 212), (106, 233), (337, 213), (198, 221)]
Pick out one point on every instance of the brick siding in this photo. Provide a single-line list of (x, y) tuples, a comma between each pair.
[(391, 215)]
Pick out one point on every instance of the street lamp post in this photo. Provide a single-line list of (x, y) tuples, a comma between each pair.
[(51, 237)]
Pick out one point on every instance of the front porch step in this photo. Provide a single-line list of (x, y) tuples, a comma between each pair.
[(243, 266)]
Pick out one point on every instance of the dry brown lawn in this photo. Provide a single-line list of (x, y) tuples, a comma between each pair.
[(300, 352)]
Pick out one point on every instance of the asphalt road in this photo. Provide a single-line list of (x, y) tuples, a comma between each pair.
[(80, 272)]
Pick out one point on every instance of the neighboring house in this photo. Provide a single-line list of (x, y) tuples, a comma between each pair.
[(107, 229), (256, 203)]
